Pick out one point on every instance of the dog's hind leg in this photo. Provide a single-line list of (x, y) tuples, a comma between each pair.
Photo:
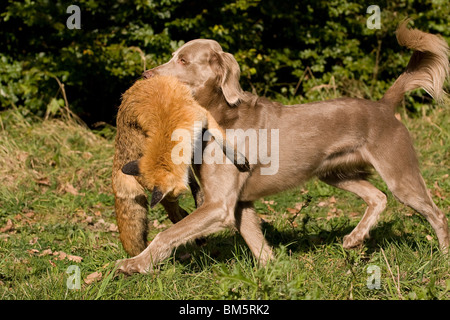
[(398, 166), (376, 203), (249, 226)]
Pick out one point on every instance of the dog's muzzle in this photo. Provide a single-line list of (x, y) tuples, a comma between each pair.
[(148, 74)]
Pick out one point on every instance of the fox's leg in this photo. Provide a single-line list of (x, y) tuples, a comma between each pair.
[(131, 207), (173, 209), (215, 214), (195, 189)]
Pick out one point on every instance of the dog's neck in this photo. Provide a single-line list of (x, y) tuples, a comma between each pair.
[(212, 99)]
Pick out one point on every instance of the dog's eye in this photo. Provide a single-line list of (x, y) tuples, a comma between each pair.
[(182, 61)]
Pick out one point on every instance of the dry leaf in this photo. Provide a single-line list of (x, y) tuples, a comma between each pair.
[(113, 228), (87, 155), (270, 208), (43, 181), (52, 263), (266, 218), (80, 213), (268, 201), (70, 189), (22, 156), (331, 215), (61, 255), (88, 220), (438, 194), (9, 226), (99, 223), (74, 258), (437, 190), (354, 214), (30, 214), (46, 252), (33, 251), (429, 238), (95, 276)]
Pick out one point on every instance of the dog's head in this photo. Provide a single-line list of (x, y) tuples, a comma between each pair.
[(205, 68)]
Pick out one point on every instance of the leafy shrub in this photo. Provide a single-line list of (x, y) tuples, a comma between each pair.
[(301, 50)]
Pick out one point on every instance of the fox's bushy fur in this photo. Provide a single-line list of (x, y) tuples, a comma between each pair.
[(161, 106), (151, 110)]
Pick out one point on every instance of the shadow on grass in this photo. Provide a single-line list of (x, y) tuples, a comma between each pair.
[(308, 237), (300, 240)]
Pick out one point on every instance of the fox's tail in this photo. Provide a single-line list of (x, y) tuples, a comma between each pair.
[(428, 67)]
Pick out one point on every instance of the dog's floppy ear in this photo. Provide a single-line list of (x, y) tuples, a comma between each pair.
[(229, 73), (131, 168)]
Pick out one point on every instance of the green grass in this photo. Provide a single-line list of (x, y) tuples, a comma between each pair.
[(55, 196)]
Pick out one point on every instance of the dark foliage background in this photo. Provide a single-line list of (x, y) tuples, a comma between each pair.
[(292, 50)]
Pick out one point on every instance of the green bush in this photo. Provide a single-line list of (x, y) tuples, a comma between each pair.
[(302, 50)]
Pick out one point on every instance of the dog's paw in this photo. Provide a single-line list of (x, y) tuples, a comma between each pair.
[(130, 266), (351, 242)]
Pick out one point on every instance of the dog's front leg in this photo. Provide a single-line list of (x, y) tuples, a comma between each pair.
[(209, 218), (249, 226)]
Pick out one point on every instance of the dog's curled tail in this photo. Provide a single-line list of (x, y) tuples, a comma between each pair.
[(428, 67)]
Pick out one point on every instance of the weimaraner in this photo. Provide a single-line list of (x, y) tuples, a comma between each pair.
[(337, 141)]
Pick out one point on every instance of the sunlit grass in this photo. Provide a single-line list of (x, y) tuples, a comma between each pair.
[(56, 197)]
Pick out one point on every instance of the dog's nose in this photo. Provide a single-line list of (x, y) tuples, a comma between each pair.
[(148, 74)]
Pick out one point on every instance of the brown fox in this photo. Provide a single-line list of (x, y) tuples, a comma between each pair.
[(151, 112)]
